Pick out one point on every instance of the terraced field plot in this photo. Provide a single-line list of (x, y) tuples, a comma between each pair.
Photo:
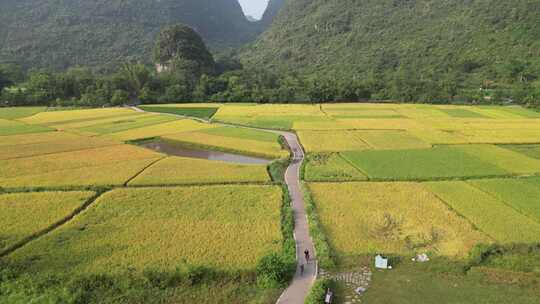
[(112, 165), (11, 127), (227, 227), (529, 150), (127, 123), (11, 146), (503, 158), (330, 167), (400, 218), (269, 116), (414, 164), (331, 141), (521, 194), (35, 138), (495, 218), (461, 113), (19, 112), (25, 214), (169, 128), (71, 116), (182, 171), (244, 141), (204, 111)]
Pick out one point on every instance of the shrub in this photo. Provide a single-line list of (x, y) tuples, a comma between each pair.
[(274, 271), (162, 279), (317, 293), (196, 274)]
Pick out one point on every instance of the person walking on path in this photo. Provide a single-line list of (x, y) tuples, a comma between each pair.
[(302, 269), (306, 254)]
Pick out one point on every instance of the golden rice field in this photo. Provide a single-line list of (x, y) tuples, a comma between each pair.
[(73, 160), (186, 171), (230, 144), (35, 138), (25, 214), (168, 128), (57, 117), (331, 141), (400, 218), (11, 146), (109, 174), (73, 126), (226, 227), (479, 169)]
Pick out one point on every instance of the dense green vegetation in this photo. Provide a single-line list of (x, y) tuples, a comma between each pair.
[(408, 50), (200, 112), (61, 34)]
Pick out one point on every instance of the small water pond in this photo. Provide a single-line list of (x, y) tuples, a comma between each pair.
[(179, 150)]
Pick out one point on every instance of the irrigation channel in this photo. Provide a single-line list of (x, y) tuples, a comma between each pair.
[(299, 287)]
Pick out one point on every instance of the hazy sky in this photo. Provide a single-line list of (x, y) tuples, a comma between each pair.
[(254, 8)]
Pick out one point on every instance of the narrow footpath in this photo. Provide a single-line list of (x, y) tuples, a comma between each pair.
[(301, 284)]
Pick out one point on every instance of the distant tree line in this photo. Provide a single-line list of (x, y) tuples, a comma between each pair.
[(185, 71)]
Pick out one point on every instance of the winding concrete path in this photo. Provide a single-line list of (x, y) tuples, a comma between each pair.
[(301, 284), (299, 288)]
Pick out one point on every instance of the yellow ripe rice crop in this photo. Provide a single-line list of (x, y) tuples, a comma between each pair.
[(56, 145), (73, 160), (355, 140), (490, 215), (324, 125), (331, 141), (392, 218), (391, 140), (381, 124), (25, 214), (435, 137), (179, 171), (523, 136), (232, 144), (422, 112), (330, 167), (506, 159), (184, 125), (108, 174), (225, 227), (35, 138), (92, 122), (57, 117), (268, 110)]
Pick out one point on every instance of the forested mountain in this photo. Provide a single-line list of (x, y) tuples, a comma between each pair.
[(469, 41), (274, 6), (63, 33)]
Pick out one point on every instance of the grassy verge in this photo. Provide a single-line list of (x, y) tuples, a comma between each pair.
[(277, 170), (324, 253), (183, 285), (318, 291)]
